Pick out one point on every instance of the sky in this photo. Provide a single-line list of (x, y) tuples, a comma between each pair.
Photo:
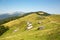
[(10, 6)]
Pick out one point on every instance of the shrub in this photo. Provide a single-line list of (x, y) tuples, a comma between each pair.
[(3, 29)]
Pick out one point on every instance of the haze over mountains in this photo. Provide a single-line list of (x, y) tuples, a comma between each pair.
[(6, 15)]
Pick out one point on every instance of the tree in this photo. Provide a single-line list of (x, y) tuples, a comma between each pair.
[(3, 29)]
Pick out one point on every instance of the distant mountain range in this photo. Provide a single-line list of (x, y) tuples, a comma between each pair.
[(2, 16), (6, 15)]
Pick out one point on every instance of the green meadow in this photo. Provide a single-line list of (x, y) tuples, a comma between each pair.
[(51, 30)]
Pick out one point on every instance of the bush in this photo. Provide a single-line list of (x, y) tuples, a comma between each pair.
[(3, 29)]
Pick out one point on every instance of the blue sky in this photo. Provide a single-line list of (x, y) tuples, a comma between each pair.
[(50, 6)]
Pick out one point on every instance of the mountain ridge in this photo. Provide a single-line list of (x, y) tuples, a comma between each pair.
[(45, 27)]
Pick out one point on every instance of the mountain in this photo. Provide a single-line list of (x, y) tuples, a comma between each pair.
[(17, 13), (9, 17), (44, 27), (6, 15), (2, 16)]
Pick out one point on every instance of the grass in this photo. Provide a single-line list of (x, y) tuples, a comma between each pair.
[(51, 29)]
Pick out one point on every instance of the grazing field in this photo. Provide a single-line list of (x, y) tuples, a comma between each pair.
[(18, 28)]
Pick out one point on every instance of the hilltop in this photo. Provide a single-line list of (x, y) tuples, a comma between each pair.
[(18, 28)]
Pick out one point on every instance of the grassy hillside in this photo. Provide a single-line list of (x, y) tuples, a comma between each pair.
[(51, 31)]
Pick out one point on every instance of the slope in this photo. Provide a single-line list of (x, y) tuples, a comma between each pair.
[(51, 29)]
